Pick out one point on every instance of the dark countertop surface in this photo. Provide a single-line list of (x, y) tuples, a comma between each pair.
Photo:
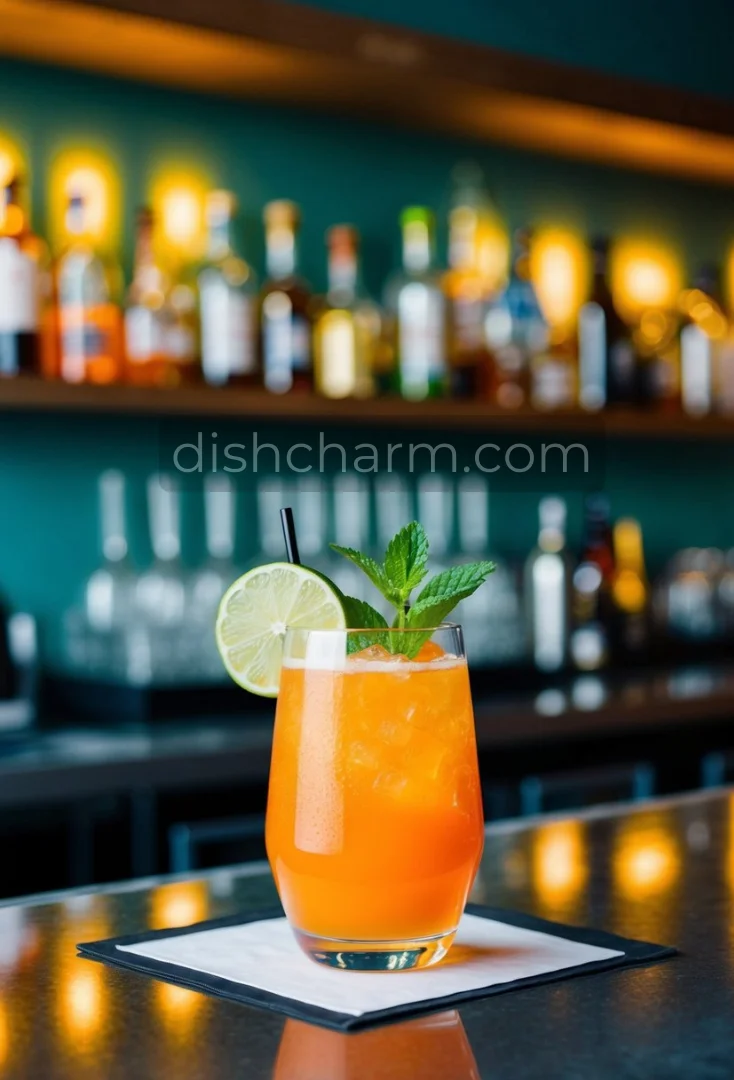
[(663, 872)]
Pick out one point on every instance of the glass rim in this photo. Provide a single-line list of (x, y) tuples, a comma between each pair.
[(373, 629)]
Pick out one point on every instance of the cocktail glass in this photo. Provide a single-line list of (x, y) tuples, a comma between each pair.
[(374, 823)]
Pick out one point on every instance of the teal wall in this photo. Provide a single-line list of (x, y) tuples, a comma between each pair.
[(338, 170), (678, 43)]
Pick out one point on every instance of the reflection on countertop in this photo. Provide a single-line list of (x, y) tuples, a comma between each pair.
[(661, 872)]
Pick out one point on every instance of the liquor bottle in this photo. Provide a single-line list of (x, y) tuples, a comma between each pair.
[(348, 326), (658, 360), (156, 354), (516, 330), (227, 290), (547, 588), (607, 365), (469, 285), (592, 582), (285, 300), (89, 321), (417, 306), (630, 592), (703, 330), (21, 274)]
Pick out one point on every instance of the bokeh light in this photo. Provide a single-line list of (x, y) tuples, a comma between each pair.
[(560, 868), (179, 1009), (177, 198), (178, 904), (646, 861), (11, 164), (645, 274), (91, 174), (559, 266)]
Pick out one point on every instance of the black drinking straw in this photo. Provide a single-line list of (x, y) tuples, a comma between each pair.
[(289, 535)]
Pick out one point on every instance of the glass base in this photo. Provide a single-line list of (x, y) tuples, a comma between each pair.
[(407, 955)]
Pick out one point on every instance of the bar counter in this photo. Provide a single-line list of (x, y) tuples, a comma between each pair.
[(662, 871)]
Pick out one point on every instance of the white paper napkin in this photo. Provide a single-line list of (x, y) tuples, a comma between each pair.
[(265, 955)]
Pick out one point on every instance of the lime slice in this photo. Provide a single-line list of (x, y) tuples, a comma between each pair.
[(254, 613)]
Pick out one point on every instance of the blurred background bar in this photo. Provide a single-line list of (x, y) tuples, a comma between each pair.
[(244, 250)]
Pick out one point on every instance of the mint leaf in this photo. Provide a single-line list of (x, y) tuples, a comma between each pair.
[(444, 592), (362, 616), (405, 559), (368, 566)]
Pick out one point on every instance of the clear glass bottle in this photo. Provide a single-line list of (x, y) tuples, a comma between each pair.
[(547, 589), (470, 282), (418, 310), (516, 329), (348, 325), (22, 274), (703, 330), (227, 291), (285, 305), (607, 364), (153, 352), (89, 318)]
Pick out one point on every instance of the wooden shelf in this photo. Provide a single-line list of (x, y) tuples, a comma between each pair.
[(278, 51), (32, 395)]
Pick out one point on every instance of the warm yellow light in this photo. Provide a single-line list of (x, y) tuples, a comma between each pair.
[(178, 1008), (92, 175), (644, 275), (177, 198), (646, 862), (178, 904), (4, 1034), (493, 251), (11, 164), (559, 863), (82, 1004), (559, 266)]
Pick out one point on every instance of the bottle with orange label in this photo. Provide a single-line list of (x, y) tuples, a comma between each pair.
[(89, 322)]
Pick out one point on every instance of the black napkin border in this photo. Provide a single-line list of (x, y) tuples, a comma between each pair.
[(635, 954)]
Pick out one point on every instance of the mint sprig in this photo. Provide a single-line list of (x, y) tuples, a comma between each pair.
[(402, 570)]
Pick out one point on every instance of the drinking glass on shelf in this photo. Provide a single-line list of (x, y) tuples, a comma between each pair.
[(374, 822), (160, 594), (492, 617), (211, 580), (95, 633), (351, 529)]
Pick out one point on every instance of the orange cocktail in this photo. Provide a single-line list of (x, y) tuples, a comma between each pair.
[(374, 824)]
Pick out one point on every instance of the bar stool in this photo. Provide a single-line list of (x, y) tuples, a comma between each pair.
[(187, 840), (717, 768), (579, 788)]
